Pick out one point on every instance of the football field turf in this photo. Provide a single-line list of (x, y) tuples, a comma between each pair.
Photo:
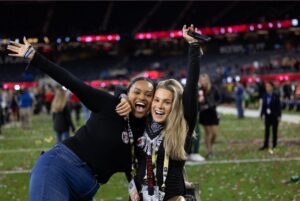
[(238, 170)]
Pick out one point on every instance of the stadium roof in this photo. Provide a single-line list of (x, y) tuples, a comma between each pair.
[(40, 18)]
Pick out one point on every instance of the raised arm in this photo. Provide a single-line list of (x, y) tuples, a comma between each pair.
[(190, 94), (94, 99)]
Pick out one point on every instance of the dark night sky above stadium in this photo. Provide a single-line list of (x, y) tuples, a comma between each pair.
[(41, 18)]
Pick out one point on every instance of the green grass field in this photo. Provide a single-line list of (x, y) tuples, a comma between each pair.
[(222, 178)]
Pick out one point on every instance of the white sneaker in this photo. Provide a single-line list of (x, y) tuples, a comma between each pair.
[(196, 158)]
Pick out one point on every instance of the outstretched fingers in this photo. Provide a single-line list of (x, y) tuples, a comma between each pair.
[(25, 41), (14, 55), (192, 27), (15, 44), (13, 48)]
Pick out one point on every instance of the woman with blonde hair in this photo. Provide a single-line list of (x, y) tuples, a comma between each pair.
[(209, 98), (161, 151), (62, 121)]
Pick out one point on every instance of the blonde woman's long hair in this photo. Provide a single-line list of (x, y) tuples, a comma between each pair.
[(206, 79), (176, 126), (60, 100)]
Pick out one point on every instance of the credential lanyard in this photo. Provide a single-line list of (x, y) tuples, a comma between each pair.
[(131, 143), (154, 165)]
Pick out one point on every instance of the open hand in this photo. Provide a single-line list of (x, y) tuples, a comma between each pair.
[(21, 50)]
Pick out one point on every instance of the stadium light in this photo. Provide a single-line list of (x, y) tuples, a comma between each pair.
[(260, 26), (295, 22), (58, 40), (222, 30), (67, 39), (270, 24), (279, 25), (46, 40), (183, 81), (17, 87)]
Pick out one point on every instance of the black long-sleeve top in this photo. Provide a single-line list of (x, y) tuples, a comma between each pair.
[(175, 181), (99, 142), (274, 106), (212, 99)]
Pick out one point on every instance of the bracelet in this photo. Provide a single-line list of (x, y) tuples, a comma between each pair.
[(194, 43), (28, 52)]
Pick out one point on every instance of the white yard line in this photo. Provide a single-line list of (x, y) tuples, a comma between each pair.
[(291, 118), (189, 163), (7, 172), (14, 172), (21, 138), (23, 150)]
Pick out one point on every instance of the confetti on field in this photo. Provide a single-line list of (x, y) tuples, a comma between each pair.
[(48, 139)]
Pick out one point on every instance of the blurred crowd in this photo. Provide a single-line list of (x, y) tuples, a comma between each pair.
[(250, 93), (18, 106)]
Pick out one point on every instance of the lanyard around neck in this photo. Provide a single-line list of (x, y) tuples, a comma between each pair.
[(154, 154), (131, 143)]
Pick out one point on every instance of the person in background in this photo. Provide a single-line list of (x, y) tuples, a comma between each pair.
[(76, 106), (194, 155), (14, 111), (25, 101), (86, 112), (38, 103), (209, 98), (1, 111), (62, 121), (239, 99), (271, 115), (48, 97)]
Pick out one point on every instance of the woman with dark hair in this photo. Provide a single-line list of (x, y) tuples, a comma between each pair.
[(161, 149), (73, 169)]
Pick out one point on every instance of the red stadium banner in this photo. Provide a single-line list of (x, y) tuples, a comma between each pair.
[(271, 77), (19, 85), (94, 83), (279, 24), (96, 38)]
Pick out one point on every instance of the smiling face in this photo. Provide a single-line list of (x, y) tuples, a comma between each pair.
[(140, 96), (161, 105)]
